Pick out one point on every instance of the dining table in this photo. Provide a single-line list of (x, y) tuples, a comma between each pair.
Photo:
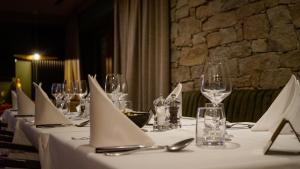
[(67, 147)]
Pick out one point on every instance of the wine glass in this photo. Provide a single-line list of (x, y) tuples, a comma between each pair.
[(80, 88), (215, 80), (57, 93), (68, 92), (123, 88), (216, 86), (112, 86)]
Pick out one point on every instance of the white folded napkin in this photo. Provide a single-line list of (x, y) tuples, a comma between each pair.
[(25, 104), (45, 111), (286, 105), (14, 100), (110, 127), (178, 95)]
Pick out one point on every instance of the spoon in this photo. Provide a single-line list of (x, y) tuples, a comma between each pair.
[(82, 124), (178, 146)]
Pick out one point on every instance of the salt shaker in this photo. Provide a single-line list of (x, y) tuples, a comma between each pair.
[(161, 122)]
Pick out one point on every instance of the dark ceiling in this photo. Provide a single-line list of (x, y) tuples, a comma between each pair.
[(42, 11)]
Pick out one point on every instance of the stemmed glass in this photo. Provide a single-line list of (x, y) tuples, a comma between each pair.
[(68, 92), (57, 93), (112, 86), (123, 88), (80, 88), (215, 80), (216, 86)]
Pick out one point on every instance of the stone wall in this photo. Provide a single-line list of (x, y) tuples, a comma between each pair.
[(260, 38)]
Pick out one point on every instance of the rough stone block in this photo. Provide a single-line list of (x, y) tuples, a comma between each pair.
[(210, 9), (273, 79), (259, 45), (188, 86), (189, 26), (183, 40), (220, 51), (233, 4), (220, 20), (195, 3), (180, 74), (222, 37), (256, 27), (240, 49), (196, 71), (197, 84), (290, 60), (233, 67), (194, 56), (250, 9), (175, 54), (182, 12), (181, 3), (173, 3), (173, 15), (271, 3), (199, 38), (295, 14), (242, 82), (282, 38), (279, 15), (174, 30), (258, 63)]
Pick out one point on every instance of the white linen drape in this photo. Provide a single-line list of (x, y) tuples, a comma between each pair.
[(141, 50)]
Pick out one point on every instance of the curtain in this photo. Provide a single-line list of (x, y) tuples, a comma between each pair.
[(72, 66), (141, 50)]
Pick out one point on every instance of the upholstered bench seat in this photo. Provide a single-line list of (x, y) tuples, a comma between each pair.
[(242, 105)]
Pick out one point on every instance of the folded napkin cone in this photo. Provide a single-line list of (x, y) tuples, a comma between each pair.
[(14, 100), (286, 105), (45, 111), (110, 127), (25, 104)]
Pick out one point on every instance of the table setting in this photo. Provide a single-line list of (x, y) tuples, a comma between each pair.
[(108, 133)]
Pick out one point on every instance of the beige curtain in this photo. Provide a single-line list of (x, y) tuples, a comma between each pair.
[(72, 66), (142, 48)]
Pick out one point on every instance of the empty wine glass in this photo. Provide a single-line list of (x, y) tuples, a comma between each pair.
[(80, 88), (112, 86), (68, 93), (216, 86), (215, 80), (123, 88), (57, 93)]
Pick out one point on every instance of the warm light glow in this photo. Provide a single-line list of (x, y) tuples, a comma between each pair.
[(36, 56)]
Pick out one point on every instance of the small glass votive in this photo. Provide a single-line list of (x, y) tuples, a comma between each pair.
[(161, 116), (210, 126)]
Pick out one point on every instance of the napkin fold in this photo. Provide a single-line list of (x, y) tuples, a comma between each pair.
[(45, 111), (286, 105), (14, 100), (110, 127), (25, 104), (178, 95)]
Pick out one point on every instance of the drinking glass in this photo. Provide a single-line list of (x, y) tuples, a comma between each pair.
[(112, 86), (57, 93), (80, 88), (68, 92), (123, 88), (215, 80), (210, 128)]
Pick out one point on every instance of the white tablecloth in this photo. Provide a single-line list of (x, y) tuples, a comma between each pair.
[(58, 151)]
